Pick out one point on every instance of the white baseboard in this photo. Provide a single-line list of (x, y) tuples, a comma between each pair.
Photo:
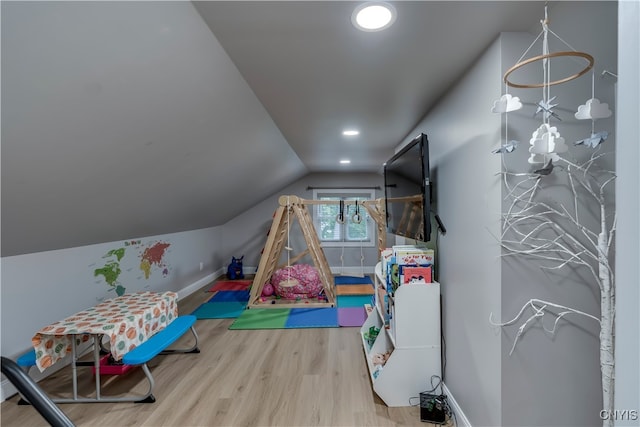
[(355, 270), (461, 418), (7, 389), (184, 292)]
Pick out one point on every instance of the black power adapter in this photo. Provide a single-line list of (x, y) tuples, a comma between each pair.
[(433, 408)]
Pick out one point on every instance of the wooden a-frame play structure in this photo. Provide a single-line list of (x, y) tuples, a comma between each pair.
[(294, 207)]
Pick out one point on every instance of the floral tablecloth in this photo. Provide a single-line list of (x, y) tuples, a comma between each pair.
[(128, 321)]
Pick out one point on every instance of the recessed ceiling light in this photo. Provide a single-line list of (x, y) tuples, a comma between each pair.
[(345, 161), (351, 132), (373, 16)]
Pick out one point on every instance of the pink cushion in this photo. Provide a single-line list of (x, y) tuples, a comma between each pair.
[(309, 284)]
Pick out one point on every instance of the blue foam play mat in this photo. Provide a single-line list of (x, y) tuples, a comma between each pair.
[(353, 280), (354, 300), (230, 296), (324, 317), (219, 310)]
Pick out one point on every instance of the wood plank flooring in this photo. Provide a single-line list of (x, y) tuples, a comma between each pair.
[(281, 377)]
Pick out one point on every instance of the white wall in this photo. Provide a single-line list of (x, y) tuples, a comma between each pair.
[(570, 359), (44, 287), (560, 373), (627, 395), (461, 136)]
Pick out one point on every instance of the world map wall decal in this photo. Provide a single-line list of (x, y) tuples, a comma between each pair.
[(154, 255), (132, 256)]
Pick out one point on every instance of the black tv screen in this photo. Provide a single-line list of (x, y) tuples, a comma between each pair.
[(407, 191)]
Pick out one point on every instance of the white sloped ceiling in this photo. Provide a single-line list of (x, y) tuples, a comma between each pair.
[(126, 119)]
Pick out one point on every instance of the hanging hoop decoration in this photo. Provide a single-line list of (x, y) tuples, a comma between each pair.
[(586, 56), (357, 218), (340, 216)]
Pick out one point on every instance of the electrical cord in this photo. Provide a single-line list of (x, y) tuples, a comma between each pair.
[(444, 353), (436, 278)]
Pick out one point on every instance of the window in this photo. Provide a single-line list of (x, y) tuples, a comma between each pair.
[(333, 232)]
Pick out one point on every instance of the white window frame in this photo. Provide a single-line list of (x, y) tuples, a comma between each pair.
[(347, 194)]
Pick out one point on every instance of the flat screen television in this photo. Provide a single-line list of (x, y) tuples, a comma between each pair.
[(407, 191)]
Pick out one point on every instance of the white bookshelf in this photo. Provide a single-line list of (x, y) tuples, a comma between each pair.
[(412, 337)]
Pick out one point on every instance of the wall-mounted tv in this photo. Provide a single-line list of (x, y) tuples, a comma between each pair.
[(407, 191)]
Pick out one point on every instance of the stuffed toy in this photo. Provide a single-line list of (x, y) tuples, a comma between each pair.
[(380, 358), (377, 359), (234, 271)]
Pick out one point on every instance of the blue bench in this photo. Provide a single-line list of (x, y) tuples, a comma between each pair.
[(27, 360), (141, 355), (159, 342)]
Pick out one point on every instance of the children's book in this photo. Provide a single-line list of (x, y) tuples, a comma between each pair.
[(416, 274), (394, 278), (385, 256), (410, 254)]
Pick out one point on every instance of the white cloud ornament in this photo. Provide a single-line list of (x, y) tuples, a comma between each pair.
[(593, 109), (506, 103), (546, 143)]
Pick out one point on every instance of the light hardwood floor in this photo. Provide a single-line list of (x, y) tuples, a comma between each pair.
[(278, 377)]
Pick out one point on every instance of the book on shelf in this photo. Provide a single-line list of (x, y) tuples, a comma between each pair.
[(409, 273), (385, 257), (395, 259), (411, 254), (416, 274), (393, 280)]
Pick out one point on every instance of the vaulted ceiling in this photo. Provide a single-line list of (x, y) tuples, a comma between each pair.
[(132, 119), (316, 74)]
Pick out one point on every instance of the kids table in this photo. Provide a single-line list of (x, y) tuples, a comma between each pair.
[(128, 321)]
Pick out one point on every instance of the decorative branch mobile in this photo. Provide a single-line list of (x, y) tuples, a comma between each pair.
[(552, 232)]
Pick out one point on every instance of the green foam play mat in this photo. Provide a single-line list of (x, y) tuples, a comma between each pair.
[(262, 318), (287, 318)]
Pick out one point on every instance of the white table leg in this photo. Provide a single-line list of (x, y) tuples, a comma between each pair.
[(96, 362), (74, 367)]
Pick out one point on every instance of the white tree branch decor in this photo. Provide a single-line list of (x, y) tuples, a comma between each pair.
[(555, 233)]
